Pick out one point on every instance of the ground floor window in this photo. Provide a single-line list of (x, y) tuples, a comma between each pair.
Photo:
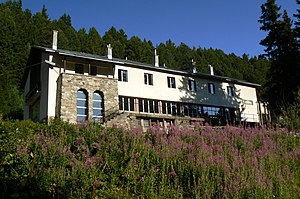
[(172, 108), (220, 114), (148, 106), (192, 110), (126, 103), (98, 106), (82, 105)]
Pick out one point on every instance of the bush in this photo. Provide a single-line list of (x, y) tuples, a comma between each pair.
[(291, 115), (61, 160)]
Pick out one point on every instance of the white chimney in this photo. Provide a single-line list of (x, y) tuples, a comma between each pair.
[(156, 59), (193, 65), (54, 42), (211, 70), (109, 51)]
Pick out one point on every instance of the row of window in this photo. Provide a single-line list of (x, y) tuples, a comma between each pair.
[(82, 105), (172, 108), (191, 84)]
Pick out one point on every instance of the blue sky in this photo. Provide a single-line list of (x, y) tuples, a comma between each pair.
[(229, 25)]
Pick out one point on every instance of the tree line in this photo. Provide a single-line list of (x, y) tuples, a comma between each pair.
[(20, 29)]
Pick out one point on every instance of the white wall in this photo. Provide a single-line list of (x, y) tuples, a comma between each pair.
[(135, 87), (52, 88)]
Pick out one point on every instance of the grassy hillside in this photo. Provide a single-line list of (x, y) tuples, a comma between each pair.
[(88, 161)]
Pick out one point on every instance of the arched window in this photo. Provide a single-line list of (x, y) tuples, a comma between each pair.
[(98, 106), (82, 105)]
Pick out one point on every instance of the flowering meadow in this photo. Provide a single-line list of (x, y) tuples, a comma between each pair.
[(62, 160)]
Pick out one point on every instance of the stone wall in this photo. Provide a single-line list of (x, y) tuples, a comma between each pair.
[(69, 84)]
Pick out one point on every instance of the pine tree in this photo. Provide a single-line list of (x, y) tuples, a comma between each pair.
[(95, 42), (281, 50), (118, 40)]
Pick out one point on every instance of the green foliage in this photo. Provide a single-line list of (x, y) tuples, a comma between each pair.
[(291, 115), (283, 51), (61, 160)]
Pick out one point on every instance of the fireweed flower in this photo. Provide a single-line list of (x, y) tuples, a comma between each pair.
[(89, 164), (80, 140), (172, 174), (40, 140), (96, 145)]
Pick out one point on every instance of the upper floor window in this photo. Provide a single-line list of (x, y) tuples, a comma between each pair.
[(230, 91), (148, 79), (82, 105), (79, 68), (191, 85), (98, 106), (123, 75), (171, 82), (211, 88)]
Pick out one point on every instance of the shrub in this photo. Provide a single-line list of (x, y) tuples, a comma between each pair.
[(61, 160), (291, 115)]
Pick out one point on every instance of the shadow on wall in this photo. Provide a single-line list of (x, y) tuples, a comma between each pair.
[(218, 104)]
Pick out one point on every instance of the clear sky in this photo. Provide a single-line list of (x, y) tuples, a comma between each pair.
[(229, 25)]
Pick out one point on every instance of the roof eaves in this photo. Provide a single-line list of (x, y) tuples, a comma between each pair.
[(88, 56)]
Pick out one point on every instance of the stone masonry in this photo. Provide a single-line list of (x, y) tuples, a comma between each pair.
[(69, 84)]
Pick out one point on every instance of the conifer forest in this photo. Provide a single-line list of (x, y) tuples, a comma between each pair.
[(62, 160)]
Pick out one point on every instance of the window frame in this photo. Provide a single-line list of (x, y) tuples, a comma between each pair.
[(148, 79), (192, 86), (79, 107), (101, 108), (171, 82), (211, 88), (230, 91), (126, 103), (122, 75)]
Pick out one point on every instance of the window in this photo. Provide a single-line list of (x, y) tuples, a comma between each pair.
[(171, 108), (82, 108), (211, 88), (148, 79), (192, 110), (230, 91), (171, 82), (212, 111), (192, 85), (79, 68), (153, 104), (148, 106), (98, 105), (123, 75), (146, 123), (126, 103), (93, 70)]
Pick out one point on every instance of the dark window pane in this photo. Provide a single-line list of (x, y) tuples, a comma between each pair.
[(93, 70), (79, 68), (131, 104)]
